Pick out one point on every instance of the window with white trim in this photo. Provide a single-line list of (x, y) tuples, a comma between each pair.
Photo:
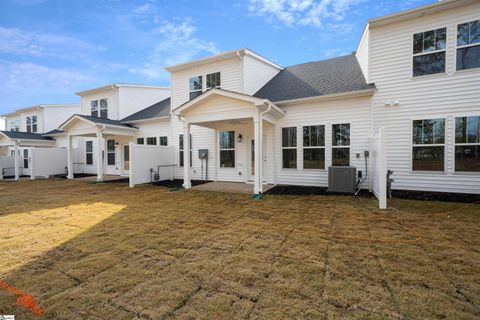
[(180, 137), (341, 144), (14, 125), (289, 148), (163, 141), (314, 147), (195, 86), (94, 108), (140, 140), (467, 144), (99, 108), (468, 45), (429, 52), (103, 110), (32, 124), (428, 145), (89, 152), (111, 152), (213, 80), (227, 149), (152, 141)]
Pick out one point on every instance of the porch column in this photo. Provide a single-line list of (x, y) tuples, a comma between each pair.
[(17, 161), (99, 156), (187, 184), (258, 136), (69, 157)]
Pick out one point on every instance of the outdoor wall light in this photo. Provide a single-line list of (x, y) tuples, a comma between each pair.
[(239, 138), (116, 144)]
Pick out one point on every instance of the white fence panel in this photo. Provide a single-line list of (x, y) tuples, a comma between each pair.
[(47, 161), (144, 157), (7, 166), (379, 167)]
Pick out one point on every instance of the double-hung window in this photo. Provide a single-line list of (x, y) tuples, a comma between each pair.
[(467, 144), (94, 108), (103, 110), (14, 125), (468, 45), (289, 148), (314, 147), (140, 140), (196, 86), (341, 144), (213, 80), (428, 150), (89, 152), (181, 149), (227, 149), (164, 141), (99, 110), (152, 141), (429, 52), (32, 124), (111, 152)]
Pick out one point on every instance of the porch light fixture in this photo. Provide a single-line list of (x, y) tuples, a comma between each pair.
[(116, 144), (239, 138)]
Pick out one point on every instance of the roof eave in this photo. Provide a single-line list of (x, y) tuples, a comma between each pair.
[(335, 96), (146, 119)]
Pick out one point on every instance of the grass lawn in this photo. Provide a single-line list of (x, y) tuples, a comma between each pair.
[(104, 251)]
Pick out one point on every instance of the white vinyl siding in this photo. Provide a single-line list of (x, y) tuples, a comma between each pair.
[(256, 74), (447, 95)]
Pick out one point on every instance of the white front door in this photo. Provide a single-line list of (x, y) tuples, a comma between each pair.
[(251, 159), (112, 158)]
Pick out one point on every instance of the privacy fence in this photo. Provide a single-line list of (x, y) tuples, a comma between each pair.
[(379, 167), (150, 163)]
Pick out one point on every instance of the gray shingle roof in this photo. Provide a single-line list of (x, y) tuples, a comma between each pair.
[(104, 121), (159, 109), (24, 135), (337, 75), (55, 131)]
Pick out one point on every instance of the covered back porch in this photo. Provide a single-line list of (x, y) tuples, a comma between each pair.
[(243, 130), (105, 145)]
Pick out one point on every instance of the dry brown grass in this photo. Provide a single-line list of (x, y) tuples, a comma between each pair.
[(104, 251)]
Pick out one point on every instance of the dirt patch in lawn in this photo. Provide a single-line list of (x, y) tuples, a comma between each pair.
[(105, 251)]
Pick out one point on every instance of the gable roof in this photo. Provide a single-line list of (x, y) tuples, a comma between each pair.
[(24, 135), (157, 110), (94, 121), (313, 79), (54, 132)]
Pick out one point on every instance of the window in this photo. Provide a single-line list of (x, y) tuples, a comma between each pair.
[(227, 149), (341, 144), (468, 45), (180, 137), (467, 144), (164, 141), (152, 141), (89, 152), (103, 108), (429, 52), (25, 158), (32, 124), (314, 147), (111, 152), (140, 140), (428, 145), (196, 86), (14, 125), (213, 80), (289, 148), (94, 108)]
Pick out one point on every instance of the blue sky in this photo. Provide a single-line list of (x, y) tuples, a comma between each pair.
[(50, 49)]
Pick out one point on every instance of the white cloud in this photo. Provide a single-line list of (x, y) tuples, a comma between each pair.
[(175, 43), (35, 44), (302, 12)]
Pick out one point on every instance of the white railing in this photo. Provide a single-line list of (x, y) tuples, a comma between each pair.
[(379, 167), (144, 158)]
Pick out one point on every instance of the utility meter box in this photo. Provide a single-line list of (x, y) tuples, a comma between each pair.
[(203, 154)]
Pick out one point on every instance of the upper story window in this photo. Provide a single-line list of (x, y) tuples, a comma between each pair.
[(14, 125), (468, 45), (32, 124), (213, 80), (341, 144), (429, 52), (99, 108), (196, 86), (428, 145), (467, 144)]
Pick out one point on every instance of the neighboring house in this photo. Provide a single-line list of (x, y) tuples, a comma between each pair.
[(101, 119)]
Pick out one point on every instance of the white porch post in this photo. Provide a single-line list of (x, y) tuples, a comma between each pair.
[(258, 136), (215, 158), (99, 156), (69, 157), (187, 184), (31, 160), (17, 161)]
